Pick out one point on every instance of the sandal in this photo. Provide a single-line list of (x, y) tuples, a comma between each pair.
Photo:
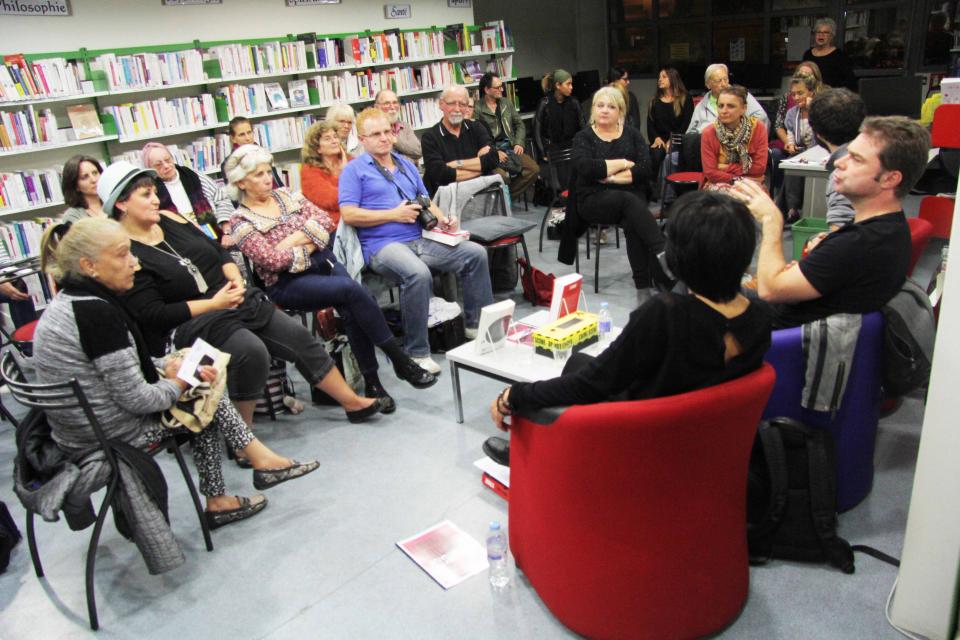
[(248, 508)]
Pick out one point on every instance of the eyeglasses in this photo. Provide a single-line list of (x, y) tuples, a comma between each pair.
[(823, 33), (455, 103), (377, 134), (496, 86), (386, 103)]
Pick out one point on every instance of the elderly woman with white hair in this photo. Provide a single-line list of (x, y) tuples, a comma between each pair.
[(346, 119), (288, 240), (189, 286), (835, 67)]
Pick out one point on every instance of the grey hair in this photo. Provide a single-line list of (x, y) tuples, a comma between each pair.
[(340, 109), (712, 69), (828, 22), (242, 162), (451, 89), (60, 253)]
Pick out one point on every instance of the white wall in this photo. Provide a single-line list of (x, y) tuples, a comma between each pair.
[(101, 24)]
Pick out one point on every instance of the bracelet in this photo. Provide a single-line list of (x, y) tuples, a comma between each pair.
[(503, 406)]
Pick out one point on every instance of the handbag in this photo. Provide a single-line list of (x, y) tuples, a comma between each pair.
[(195, 407), (511, 164), (537, 285)]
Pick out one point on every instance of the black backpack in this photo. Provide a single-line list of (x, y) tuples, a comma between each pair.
[(9, 536), (908, 337), (791, 496)]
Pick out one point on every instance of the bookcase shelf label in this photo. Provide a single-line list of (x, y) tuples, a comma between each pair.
[(459, 4), (310, 3), (38, 8), (396, 11)]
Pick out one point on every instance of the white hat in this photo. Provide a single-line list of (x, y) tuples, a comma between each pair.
[(115, 179)]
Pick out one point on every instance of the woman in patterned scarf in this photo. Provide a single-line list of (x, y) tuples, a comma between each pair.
[(735, 146)]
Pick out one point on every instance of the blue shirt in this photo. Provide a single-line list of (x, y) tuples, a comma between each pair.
[(362, 185)]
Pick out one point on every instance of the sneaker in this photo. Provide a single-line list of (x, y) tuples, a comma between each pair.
[(471, 334), (426, 362)]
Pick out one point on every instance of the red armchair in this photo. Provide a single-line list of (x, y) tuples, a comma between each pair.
[(629, 518), (920, 232)]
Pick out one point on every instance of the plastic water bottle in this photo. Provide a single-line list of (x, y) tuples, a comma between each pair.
[(497, 555), (606, 323)]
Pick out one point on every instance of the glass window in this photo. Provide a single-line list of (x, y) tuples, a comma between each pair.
[(630, 10), (738, 40), (786, 5), (682, 8), (731, 7), (790, 36), (683, 44), (876, 38), (939, 37), (633, 48)]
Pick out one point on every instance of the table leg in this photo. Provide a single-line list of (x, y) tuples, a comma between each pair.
[(457, 399)]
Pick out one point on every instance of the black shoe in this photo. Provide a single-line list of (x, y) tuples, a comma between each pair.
[(498, 450), (417, 376), (266, 478), (247, 509), (362, 415), (374, 390)]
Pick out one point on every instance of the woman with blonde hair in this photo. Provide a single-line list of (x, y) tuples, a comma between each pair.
[(611, 185), (323, 157), (88, 333), (343, 116)]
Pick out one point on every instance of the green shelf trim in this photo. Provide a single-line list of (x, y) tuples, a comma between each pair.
[(206, 44), (126, 51)]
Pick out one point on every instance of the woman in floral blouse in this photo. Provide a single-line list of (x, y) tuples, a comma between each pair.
[(287, 239)]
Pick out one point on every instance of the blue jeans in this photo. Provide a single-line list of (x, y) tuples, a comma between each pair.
[(362, 318), (408, 264)]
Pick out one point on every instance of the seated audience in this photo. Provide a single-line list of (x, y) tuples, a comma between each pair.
[(611, 165), (786, 102), (668, 115), (287, 239), (561, 116), (457, 149), (835, 67), (323, 159), (858, 268), (189, 285), (735, 146), (508, 132), (87, 333), (184, 191), (800, 137), (240, 131), (716, 77), (345, 118), (379, 193), (407, 143), (673, 343), (619, 78), (78, 182), (836, 116)]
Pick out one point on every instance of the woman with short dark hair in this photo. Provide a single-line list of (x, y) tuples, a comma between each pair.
[(673, 343), (78, 182)]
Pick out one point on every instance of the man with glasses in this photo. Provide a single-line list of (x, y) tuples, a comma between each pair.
[(379, 191), (457, 149), (406, 142), (508, 130)]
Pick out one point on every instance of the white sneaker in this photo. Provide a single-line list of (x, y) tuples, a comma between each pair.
[(426, 362), (471, 334)]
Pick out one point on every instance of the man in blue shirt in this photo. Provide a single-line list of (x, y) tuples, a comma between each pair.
[(377, 195)]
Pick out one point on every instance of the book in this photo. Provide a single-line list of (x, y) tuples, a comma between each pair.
[(452, 238), (275, 96), (493, 326), (447, 553), (566, 295), (297, 90), (495, 476), (84, 120)]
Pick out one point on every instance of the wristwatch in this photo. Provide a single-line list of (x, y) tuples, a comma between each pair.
[(459, 164)]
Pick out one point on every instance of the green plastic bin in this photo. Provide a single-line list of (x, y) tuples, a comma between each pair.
[(804, 229)]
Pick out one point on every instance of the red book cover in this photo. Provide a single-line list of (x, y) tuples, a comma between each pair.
[(496, 486), (355, 48), (566, 295)]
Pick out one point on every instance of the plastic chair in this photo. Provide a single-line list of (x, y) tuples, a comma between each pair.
[(920, 232), (938, 211), (629, 518), (69, 395), (854, 425)]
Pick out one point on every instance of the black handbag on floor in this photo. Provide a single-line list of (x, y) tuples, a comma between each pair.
[(9, 536)]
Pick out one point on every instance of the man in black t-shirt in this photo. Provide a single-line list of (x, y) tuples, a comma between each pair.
[(858, 268)]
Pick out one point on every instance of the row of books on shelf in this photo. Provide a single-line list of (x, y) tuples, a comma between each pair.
[(203, 155), (21, 239), (150, 70), (35, 188), (28, 127), (270, 57), (364, 85), (50, 77), (250, 99), (162, 114), (490, 36), (421, 113)]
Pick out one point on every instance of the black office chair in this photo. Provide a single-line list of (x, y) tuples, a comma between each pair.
[(69, 395)]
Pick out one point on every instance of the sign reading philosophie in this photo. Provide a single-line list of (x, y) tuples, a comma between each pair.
[(40, 8), (305, 3), (394, 11), (459, 4)]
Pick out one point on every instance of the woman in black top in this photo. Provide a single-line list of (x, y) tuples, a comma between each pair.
[(561, 117), (619, 78), (611, 163), (189, 285), (672, 343), (669, 114), (836, 68)]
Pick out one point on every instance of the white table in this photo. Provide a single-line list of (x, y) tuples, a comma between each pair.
[(510, 363), (811, 166)]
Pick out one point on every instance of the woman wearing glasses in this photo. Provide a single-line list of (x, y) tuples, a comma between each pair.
[(835, 66)]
